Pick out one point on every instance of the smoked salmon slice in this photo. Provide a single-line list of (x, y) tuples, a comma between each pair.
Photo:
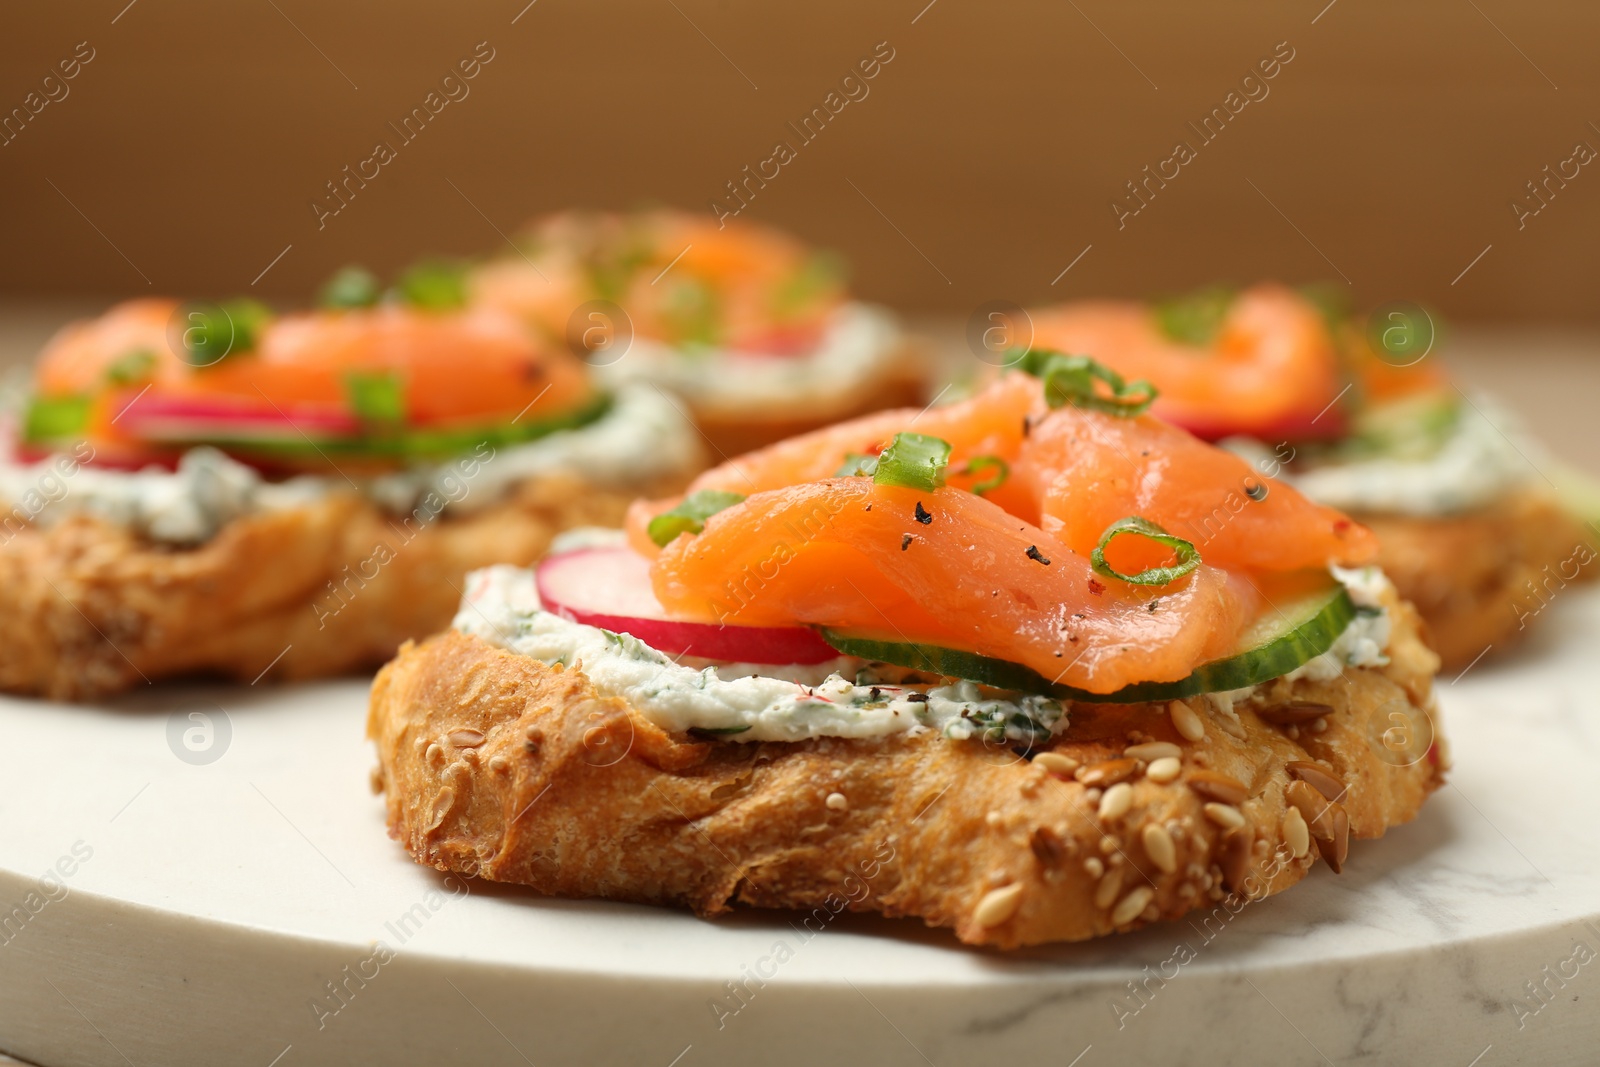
[(1074, 472), (990, 423), (327, 373), (1269, 363), (1085, 470), (948, 568)]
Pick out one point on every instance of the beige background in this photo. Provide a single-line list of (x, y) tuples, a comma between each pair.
[(980, 165)]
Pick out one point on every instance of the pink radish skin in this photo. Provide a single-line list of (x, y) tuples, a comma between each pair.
[(185, 416), (610, 588)]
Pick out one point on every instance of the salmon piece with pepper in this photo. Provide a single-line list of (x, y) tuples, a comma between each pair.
[(947, 568), (989, 423), (1085, 470)]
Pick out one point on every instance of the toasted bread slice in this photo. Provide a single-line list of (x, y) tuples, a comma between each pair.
[(497, 765), (1481, 579), (332, 586)]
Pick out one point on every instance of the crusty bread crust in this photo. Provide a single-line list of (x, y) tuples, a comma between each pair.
[(312, 591), (1481, 579), (499, 766)]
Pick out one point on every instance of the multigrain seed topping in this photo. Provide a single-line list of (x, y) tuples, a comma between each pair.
[(1151, 751), (1224, 815), (1116, 802), (1055, 763), (1219, 787), (1186, 722), (1110, 885), (1132, 905), (998, 905), (1332, 834), (1165, 769), (1310, 803), (1317, 777), (1296, 834), (1047, 846), (1107, 772), (1158, 845), (1294, 712)]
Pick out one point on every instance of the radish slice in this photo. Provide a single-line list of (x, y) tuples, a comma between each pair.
[(183, 417), (610, 588)]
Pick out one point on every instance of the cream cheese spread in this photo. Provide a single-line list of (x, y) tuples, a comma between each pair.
[(840, 698), (861, 343), (644, 436)]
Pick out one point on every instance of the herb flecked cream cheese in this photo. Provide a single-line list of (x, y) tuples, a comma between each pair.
[(642, 437), (846, 697)]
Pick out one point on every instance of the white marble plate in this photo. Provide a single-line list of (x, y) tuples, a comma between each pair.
[(203, 913)]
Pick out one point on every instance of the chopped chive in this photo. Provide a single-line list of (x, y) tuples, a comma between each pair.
[(1195, 318), (1188, 558), (51, 418), (435, 285), (710, 733), (913, 461), (1073, 380), (133, 367), (215, 330), (857, 464), (1002, 470), (350, 287), (376, 397), (690, 516)]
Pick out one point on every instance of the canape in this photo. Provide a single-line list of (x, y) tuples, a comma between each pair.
[(220, 489), (949, 664), (1360, 415), (756, 332)]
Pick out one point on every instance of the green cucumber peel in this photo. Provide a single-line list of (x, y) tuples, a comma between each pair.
[(1272, 648), (404, 444), (55, 418)]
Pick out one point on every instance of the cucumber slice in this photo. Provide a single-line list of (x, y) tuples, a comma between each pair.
[(945, 662), (1275, 645)]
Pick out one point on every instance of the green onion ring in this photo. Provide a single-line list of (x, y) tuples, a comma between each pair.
[(1188, 556), (690, 516), (1071, 380), (1002, 471)]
